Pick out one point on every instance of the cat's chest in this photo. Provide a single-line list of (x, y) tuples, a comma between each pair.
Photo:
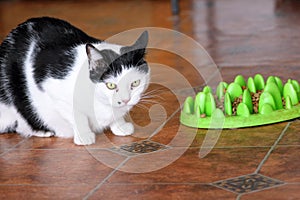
[(106, 115)]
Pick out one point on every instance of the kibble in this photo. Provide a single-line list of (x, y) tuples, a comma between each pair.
[(255, 102), (203, 115)]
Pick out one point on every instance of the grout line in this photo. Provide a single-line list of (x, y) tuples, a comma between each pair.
[(160, 183), (171, 116), (164, 123), (13, 147), (229, 147), (105, 179), (288, 145), (41, 184), (238, 197), (61, 149), (272, 148), (234, 147), (115, 184), (292, 183)]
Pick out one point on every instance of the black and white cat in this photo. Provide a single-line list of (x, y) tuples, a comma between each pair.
[(40, 64)]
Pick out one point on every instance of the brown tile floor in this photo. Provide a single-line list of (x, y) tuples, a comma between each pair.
[(243, 37)]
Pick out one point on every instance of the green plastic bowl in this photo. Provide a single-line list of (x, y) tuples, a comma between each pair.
[(275, 102)]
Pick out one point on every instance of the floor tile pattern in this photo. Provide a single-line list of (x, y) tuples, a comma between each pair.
[(248, 183), (139, 147)]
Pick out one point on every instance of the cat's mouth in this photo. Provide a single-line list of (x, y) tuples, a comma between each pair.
[(121, 105), (127, 103), (126, 106)]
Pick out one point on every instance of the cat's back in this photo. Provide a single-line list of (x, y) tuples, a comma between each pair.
[(56, 32), (45, 47), (50, 35), (53, 42), (50, 32)]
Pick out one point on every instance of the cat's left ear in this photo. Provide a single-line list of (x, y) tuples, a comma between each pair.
[(139, 46), (97, 64)]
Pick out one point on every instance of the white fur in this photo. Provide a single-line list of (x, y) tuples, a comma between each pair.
[(76, 110)]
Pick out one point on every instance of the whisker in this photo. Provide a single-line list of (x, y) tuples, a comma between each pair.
[(149, 101), (153, 92), (153, 97), (140, 105)]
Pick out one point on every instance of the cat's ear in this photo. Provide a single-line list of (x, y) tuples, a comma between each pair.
[(142, 41), (97, 64), (94, 56), (139, 46)]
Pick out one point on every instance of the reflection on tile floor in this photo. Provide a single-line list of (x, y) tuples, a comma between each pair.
[(161, 160)]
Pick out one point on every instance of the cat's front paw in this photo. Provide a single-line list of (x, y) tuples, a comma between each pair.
[(123, 130), (85, 139), (43, 134)]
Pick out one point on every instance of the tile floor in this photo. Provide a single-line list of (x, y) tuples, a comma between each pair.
[(161, 160)]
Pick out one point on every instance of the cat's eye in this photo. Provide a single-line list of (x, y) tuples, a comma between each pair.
[(111, 86), (135, 83)]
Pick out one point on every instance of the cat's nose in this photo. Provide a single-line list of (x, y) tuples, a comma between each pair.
[(125, 100)]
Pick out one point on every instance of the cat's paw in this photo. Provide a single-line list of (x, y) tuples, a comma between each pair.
[(123, 130), (87, 138), (43, 133)]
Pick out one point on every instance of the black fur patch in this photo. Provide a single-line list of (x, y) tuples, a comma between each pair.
[(112, 63), (131, 57), (54, 55), (11, 129), (127, 60)]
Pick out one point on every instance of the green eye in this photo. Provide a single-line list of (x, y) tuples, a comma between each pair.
[(111, 86), (135, 83)]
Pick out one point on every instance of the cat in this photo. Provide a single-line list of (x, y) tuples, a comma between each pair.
[(42, 65)]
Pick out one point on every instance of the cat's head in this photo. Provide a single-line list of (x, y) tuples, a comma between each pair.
[(120, 77)]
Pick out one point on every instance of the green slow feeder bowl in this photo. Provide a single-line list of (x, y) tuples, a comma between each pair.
[(243, 104)]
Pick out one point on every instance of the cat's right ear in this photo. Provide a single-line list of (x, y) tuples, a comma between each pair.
[(97, 64)]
